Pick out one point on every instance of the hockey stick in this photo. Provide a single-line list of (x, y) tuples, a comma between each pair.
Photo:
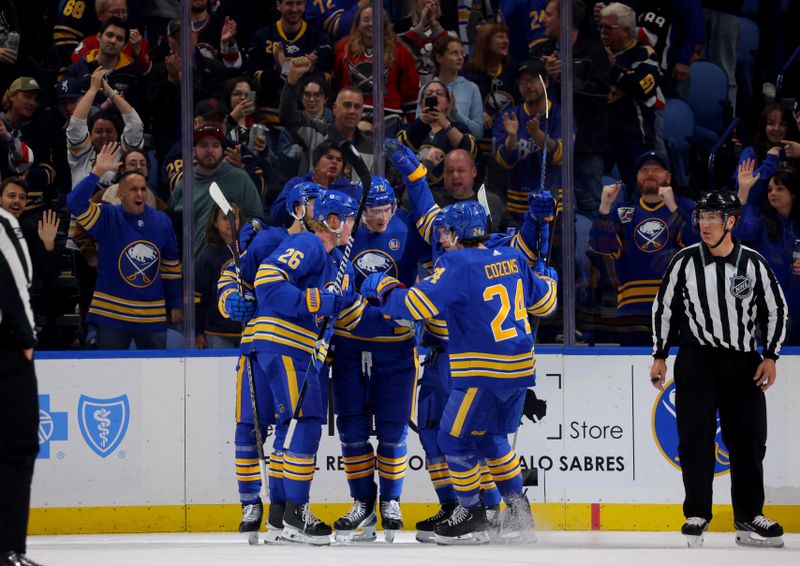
[(325, 334), (227, 210)]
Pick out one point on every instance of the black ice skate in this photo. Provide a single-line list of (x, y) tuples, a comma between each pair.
[(516, 523), (693, 528), (391, 518), (465, 526), (14, 559), (425, 527), (759, 532), (251, 520), (300, 525), (274, 522), (358, 525)]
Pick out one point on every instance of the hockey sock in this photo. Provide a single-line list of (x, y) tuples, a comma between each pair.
[(392, 457), (358, 455), (466, 477), (506, 473), (490, 495), (299, 460), (277, 492), (440, 477), (248, 474)]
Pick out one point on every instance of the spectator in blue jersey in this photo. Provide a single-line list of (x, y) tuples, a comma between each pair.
[(635, 91), (138, 287), (275, 45), (211, 167), (590, 98), (121, 72), (639, 238), (24, 121), (448, 56), (775, 147), (437, 132), (335, 17), (523, 18), (213, 330), (216, 35), (520, 136), (772, 229)]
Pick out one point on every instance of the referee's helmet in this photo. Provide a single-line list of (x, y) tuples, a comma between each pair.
[(726, 203)]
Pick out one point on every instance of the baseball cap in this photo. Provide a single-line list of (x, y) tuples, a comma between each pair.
[(658, 156), (208, 108), (532, 66), (24, 83), (174, 26), (208, 131), (69, 88)]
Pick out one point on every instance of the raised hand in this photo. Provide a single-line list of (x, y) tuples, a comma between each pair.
[(240, 308), (608, 196), (511, 124), (542, 206), (107, 159), (746, 178), (48, 229), (97, 79)]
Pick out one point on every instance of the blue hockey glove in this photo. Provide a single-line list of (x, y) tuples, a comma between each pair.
[(248, 233), (377, 286), (239, 308), (543, 270), (542, 206), (404, 158), (325, 303)]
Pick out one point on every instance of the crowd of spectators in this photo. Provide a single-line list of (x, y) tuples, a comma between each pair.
[(91, 159)]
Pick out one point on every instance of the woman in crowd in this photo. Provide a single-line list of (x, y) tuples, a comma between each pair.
[(448, 54)]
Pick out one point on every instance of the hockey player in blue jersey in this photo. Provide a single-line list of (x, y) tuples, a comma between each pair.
[(435, 382), (384, 390), (292, 294), (257, 243), (485, 297)]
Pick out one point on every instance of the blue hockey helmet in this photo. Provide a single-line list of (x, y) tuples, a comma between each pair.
[(381, 192), (467, 219), (300, 194), (331, 201)]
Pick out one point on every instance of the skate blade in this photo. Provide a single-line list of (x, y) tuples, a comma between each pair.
[(295, 536), (252, 538), (478, 537), (388, 535), (365, 534), (694, 541), (425, 537), (747, 538), (273, 535)]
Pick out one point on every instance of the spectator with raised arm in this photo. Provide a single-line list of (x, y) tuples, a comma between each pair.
[(425, 31)]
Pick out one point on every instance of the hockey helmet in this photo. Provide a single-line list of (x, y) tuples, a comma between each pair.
[(467, 219), (300, 194), (380, 193), (331, 201), (726, 203)]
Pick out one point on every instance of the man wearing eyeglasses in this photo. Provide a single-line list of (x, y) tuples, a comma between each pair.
[(635, 93)]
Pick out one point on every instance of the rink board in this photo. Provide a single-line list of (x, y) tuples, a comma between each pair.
[(134, 444)]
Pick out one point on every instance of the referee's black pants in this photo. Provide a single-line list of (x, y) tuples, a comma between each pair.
[(707, 379), (19, 444)]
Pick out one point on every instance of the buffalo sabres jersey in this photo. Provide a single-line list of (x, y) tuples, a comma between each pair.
[(260, 248), (485, 297), (498, 92), (334, 16), (524, 165), (396, 251), (642, 239), (283, 324), (139, 274)]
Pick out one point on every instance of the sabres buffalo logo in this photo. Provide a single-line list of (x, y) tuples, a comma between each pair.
[(374, 261), (139, 263), (651, 235)]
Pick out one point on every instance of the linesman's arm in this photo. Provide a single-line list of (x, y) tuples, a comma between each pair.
[(667, 306), (771, 313)]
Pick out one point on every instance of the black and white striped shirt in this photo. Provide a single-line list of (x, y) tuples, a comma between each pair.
[(719, 302), (17, 329)]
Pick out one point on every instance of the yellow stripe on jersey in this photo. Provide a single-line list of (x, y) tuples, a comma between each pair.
[(90, 217), (547, 304), (270, 274), (421, 304), (425, 224), (461, 416), (292, 381), (518, 243)]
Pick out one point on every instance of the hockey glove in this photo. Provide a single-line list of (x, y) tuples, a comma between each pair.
[(543, 270), (542, 206), (325, 303), (239, 308), (404, 158), (377, 286), (248, 233)]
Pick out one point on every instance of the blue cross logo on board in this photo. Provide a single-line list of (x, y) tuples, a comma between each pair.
[(665, 432), (52, 426)]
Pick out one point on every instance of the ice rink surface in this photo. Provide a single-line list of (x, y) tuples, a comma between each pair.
[(553, 548)]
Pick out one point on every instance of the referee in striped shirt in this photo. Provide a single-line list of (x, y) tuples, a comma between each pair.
[(19, 416), (715, 298)]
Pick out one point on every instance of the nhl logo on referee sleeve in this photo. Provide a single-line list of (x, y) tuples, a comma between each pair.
[(741, 286)]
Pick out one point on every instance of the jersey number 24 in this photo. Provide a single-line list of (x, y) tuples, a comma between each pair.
[(520, 314)]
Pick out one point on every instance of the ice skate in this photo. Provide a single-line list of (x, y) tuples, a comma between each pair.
[(274, 522), (391, 518), (693, 528), (760, 532), (358, 525), (251, 520), (301, 526), (516, 523), (425, 527), (494, 522), (465, 526), (14, 559)]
